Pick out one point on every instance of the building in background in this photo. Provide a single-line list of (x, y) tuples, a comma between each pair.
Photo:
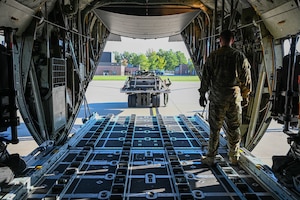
[(183, 69), (109, 66), (131, 69)]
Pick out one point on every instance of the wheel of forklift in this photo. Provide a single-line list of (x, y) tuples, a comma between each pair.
[(132, 100), (166, 98), (156, 101)]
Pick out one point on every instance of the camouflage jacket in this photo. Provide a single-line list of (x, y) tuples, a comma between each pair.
[(226, 75)]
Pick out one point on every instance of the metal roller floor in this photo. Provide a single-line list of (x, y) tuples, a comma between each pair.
[(138, 157)]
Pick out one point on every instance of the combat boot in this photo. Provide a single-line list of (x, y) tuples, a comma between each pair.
[(233, 160), (209, 161)]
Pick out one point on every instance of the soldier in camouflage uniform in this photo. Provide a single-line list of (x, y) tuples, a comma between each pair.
[(227, 77)]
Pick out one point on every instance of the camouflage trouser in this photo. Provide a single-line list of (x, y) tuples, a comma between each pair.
[(231, 113)]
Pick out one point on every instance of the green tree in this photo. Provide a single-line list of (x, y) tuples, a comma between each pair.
[(139, 60), (171, 60), (143, 62), (161, 63), (161, 53), (125, 58), (161, 60), (118, 57), (132, 59), (181, 57), (153, 59)]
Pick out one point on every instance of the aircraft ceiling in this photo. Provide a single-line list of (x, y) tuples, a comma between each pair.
[(154, 19), (148, 19), (160, 18), (146, 27)]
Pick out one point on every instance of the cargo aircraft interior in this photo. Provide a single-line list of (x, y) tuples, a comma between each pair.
[(49, 55)]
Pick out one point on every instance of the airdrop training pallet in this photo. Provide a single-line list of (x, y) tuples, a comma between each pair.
[(141, 157), (144, 88)]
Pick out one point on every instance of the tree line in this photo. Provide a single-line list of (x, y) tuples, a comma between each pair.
[(152, 60)]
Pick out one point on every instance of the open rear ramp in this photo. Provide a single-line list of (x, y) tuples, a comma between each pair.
[(141, 157)]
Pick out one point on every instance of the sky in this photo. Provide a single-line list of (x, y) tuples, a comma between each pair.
[(140, 46)]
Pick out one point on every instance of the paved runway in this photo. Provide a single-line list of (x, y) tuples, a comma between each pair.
[(104, 97)]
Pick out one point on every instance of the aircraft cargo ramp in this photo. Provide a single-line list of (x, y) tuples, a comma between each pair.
[(141, 157)]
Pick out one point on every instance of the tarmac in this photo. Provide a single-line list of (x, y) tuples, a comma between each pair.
[(104, 97)]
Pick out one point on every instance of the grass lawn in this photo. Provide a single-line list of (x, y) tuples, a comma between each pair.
[(123, 78)]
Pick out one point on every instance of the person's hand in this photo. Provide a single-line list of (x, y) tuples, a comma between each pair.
[(245, 102), (202, 101)]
